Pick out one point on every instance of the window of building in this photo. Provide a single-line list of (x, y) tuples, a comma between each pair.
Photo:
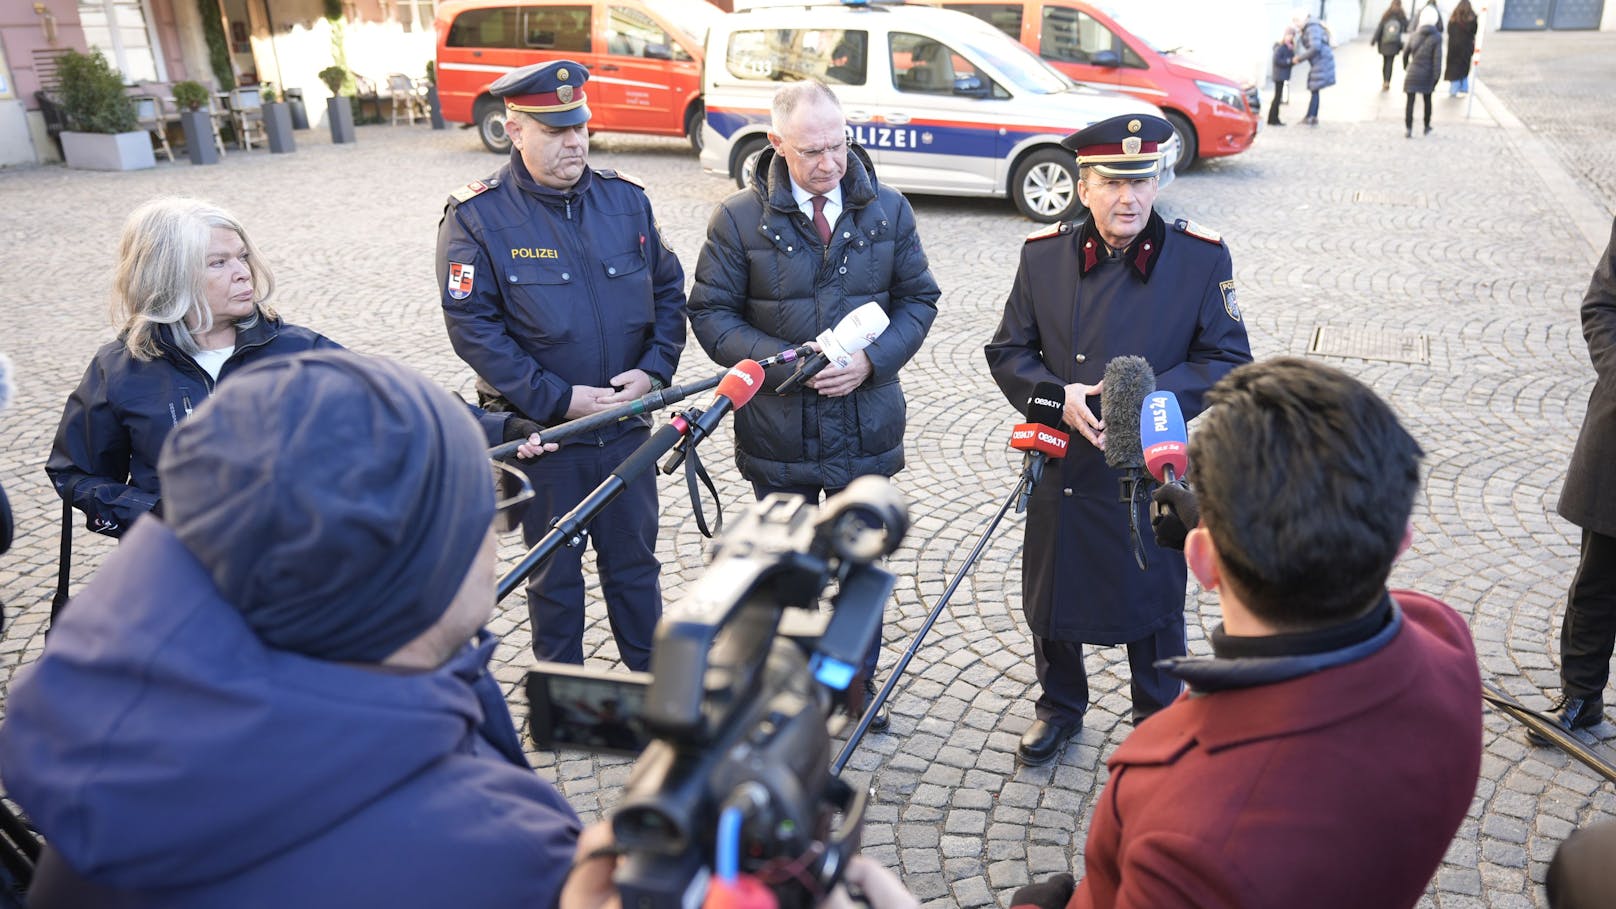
[(416, 15), (124, 31)]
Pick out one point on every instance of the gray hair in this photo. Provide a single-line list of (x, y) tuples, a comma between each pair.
[(793, 95), (162, 268)]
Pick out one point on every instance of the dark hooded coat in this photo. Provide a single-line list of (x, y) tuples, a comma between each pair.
[(1423, 61), (765, 282), (1461, 47), (1588, 498)]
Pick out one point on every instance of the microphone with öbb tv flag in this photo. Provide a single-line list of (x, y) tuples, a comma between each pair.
[(1041, 437), (837, 345)]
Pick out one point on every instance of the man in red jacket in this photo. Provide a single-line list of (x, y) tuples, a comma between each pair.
[(1328, 750)]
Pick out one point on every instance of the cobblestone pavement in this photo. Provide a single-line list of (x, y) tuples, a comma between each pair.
[(1346, 225), (1558, 84)]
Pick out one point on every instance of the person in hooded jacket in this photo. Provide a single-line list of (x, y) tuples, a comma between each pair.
[(1313, 41), (191, 299), (813, 237), (1422, 65), (278, 693)]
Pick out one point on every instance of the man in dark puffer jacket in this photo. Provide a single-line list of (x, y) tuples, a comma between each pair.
[(814, 237)]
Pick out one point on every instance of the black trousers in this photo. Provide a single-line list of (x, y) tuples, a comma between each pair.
[(1589, 633), (624, 538), (1273, 107), (1065, 683), (1386, 61), (815, 495), (1408, 113)]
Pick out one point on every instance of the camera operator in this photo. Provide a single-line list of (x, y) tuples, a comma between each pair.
[(1329, 748), (278, 693)]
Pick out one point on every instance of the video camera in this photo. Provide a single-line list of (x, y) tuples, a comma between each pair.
[(746, 673)]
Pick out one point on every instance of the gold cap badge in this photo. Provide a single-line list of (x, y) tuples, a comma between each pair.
[(1133, 127), (562, 74)]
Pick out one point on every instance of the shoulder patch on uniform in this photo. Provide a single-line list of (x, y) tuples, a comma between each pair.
[(613, 174), (1198, 231), (1230, 306), (1050, 230), (471, 190)]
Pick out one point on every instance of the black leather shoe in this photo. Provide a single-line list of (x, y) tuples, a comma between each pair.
[(1043, 740), (881, 720), (1573, 713)]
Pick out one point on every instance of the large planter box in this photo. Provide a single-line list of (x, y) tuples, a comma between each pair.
[(115, 151), (437, 111), (278, 127), (198, 128), (339, 115)]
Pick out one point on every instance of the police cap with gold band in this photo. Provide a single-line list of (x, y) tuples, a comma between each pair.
[(552, 93), (1128, 147)]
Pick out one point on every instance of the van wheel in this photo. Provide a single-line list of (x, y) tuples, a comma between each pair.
[(1045, 186), (491, 127), (746, 159), (1187, 141), (693, 124)]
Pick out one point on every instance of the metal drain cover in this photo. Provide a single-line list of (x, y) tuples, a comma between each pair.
[(1370, 344)]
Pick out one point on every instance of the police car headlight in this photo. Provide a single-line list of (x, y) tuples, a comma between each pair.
[(1223, 94)]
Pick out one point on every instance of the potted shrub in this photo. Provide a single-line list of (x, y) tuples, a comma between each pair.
[(277, 122), (338, 110), (432, 96), (196, 119), (102, 131)]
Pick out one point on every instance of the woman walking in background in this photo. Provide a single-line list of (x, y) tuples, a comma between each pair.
[(1461, 47), (1284, 54), (1422, 64), (1388, 39)]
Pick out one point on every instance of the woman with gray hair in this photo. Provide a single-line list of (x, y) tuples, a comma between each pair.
[(191, 303)]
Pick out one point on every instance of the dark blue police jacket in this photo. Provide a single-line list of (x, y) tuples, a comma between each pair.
[(104, 459), (1169, 298), (545, 289), (173, 760)]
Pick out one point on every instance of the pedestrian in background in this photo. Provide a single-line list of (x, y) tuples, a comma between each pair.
[(1422, 64), (1314, 40), (1284, 57), (1461, 47), (1388, 40)]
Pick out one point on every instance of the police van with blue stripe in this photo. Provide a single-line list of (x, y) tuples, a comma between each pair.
[(943, 102)]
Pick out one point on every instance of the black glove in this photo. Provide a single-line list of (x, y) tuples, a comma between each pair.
[(1051, 894), (518, 429), (1175, 515)]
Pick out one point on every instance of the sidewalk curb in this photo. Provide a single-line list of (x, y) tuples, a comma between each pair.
[(1581, 209)]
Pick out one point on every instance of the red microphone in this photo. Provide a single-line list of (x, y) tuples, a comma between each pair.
[(734, 391)]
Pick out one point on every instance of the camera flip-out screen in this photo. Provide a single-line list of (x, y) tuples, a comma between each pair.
[(573, 708)]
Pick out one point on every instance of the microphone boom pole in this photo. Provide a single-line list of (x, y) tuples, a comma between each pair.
[(644, 404), (874, 707)]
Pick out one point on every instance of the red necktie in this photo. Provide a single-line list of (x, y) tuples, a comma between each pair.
[(820, 224)]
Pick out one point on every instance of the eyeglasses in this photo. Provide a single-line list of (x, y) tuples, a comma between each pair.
[(512, 491)]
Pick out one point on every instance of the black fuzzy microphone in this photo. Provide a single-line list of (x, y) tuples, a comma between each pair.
[(1127, 382)]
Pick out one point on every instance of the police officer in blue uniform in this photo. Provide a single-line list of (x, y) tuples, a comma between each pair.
[(560, 292), (1121, 281)]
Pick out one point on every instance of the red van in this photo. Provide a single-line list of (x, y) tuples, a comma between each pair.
[(644, 60), (1213, 114)]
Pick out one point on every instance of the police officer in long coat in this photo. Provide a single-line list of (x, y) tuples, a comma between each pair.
[(558, 290), (1119, 282)]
